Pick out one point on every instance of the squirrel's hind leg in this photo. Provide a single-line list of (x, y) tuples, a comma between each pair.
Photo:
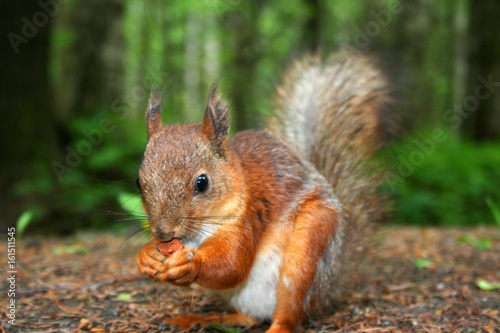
[(313, 227), (233, 319)]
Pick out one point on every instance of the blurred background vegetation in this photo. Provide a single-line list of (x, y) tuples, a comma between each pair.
[(76, 76)]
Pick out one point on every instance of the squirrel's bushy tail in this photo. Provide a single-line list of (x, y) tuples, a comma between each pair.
[(332, 112)]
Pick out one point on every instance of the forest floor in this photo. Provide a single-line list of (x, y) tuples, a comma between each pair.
[(420, 280)]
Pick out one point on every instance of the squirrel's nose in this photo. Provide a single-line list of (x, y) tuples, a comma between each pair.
[(163, 236)]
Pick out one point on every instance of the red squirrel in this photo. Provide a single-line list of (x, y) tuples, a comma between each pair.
[(268, 217)]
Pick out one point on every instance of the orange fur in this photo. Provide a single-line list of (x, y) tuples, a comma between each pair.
[(315, 224), (188, 321)]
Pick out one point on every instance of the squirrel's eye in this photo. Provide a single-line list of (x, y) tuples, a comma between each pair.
[(201, 183), (138, 184)]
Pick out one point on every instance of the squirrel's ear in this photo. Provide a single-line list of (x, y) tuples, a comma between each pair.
[(153, 115), (217, 120)]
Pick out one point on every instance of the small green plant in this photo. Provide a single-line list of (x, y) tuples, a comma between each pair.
[(124, 297), (23, 221), (71, 249), (485, 285), (223, 329), (27, 217), (422, 263), (495, 210), (481, 244)]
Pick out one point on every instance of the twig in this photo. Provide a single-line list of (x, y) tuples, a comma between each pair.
[(89, 286)]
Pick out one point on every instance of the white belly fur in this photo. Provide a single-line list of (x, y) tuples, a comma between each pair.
[(257, 296)]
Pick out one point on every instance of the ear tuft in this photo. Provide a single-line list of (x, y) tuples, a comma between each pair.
[(153, 114), (217, 120)]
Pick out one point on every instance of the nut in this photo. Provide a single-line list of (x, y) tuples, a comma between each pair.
[(168, 248)]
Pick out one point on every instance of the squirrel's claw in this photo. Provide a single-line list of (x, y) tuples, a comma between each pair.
[(149, 260), (181, 268)]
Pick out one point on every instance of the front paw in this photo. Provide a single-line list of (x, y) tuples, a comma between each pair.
[(181, 268), (150, 260)]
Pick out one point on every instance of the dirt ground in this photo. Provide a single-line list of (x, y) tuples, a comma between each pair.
[(420, 280)]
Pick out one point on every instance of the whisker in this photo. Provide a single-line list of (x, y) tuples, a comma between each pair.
[(136, 232), (111, 233), (144, 233), (127, 222), (139, 232), (109, 212), (133, 218), (219, 221), (197, 231), (211, 217)]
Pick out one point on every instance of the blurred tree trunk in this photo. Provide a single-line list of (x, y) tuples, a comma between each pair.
[(192, 51), (425, 39), (460, 27), (312, 28), (244, 24), (414, 25), (211, 53), (484, 104), (144, 45), (27, 126), (99, 54)]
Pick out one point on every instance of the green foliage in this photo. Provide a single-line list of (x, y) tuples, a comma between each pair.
[(87, 191), (132, 204), (187, 45), (446, 183)]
